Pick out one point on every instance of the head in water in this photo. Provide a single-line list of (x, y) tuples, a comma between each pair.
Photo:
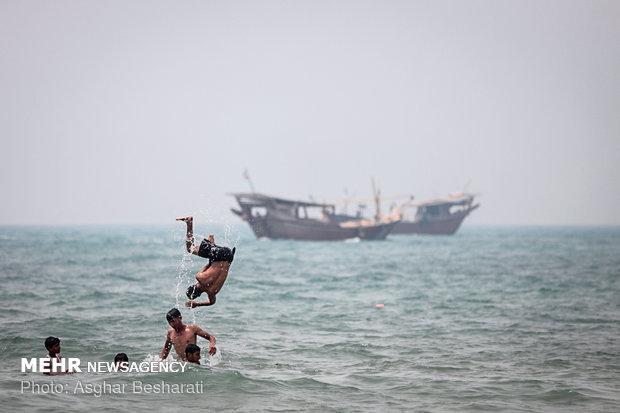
[(192, 353), (120, 357), (122, 361), (52, 344), (194, 291)]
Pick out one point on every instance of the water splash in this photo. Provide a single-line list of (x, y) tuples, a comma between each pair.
[(215, 359), (183, 277)]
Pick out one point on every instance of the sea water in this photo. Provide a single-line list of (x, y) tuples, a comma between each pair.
[(523, 319)]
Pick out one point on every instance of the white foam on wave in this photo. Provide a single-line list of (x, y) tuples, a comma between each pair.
[(154, 358), (215, 359), (206, 359)]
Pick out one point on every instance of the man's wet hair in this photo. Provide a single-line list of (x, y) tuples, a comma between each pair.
[(193, 291), (191, 349), (51, 342), (172, 314), (121, 357)]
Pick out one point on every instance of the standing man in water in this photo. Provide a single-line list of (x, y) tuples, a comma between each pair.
[(181, 336), (212, 277)]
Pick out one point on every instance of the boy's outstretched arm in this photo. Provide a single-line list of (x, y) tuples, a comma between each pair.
[(194, 304)]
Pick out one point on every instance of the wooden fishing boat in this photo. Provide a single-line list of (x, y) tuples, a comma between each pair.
[(278, 218), (442, 216)]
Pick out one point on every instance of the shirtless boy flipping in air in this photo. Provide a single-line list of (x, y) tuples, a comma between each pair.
[(180, 335), (211, 278)]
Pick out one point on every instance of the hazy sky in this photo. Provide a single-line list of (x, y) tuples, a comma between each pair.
[(140, 111)]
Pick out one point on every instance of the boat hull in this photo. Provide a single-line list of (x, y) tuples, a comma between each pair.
[(313, 230), (443, 225)]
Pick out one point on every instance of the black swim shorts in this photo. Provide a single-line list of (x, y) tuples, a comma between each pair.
[(215, 253)]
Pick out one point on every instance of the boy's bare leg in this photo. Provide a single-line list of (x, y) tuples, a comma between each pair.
[(189, 240)]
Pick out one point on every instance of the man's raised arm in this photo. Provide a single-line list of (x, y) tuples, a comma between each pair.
[(199, 331)]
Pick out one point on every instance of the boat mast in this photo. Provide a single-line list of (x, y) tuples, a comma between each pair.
[(246, 175), (377, 195)]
